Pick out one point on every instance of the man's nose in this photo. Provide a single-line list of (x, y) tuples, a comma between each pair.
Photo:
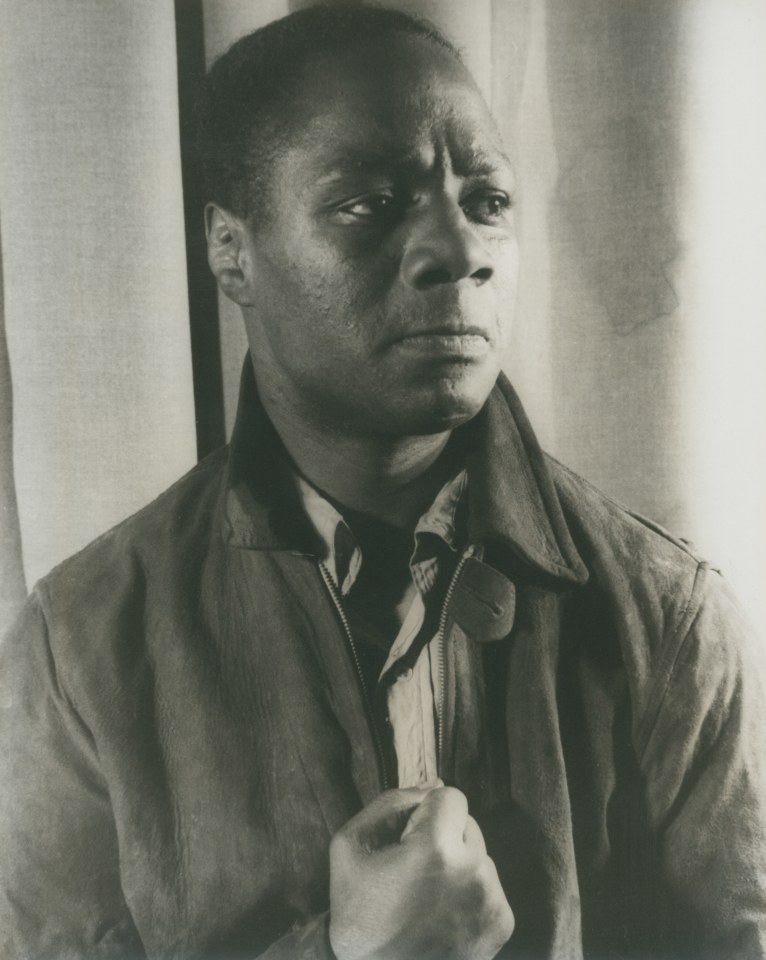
[(443, 247)]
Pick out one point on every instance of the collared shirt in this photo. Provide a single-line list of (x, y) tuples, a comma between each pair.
[(412, 694)]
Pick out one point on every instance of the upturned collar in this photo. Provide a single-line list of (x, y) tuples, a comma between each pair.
[(512, 501)]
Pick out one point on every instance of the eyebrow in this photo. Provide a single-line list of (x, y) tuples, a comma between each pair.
[(356, 161), (351, 162), (478, 163)]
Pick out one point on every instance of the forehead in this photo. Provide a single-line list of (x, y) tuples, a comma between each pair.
[(400, 105)]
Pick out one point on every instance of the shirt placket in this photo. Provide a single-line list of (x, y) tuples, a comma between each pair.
[(412, 695)]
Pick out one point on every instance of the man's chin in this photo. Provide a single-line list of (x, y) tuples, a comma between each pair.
[(442, 407)]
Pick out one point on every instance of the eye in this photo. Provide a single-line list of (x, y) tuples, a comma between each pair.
[(380, 207), (487, 206)]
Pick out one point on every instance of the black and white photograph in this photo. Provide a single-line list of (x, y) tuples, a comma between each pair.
[(382, 480)]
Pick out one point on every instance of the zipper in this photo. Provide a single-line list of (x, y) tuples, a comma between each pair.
[(336, 599), (442, 660)]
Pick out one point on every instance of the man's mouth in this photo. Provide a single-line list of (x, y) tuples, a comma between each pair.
[(463, 343)]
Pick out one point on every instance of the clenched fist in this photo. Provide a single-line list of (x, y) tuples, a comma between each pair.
[(410, 879)]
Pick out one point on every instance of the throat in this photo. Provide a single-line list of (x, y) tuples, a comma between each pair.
[(390, 480)]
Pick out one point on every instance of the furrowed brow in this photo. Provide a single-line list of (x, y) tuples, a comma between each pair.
[(370, 162), (479, 163)]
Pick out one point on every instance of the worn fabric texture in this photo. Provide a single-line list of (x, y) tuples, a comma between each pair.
[(183, 731)]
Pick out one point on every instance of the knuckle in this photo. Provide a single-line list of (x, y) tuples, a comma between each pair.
[(339, 843), (454, 795), (496, 908), (444, 854), (487, 871), (507, 922), (474, 838), (501, 922)]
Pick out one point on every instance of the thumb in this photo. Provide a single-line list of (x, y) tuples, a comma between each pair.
[(442, 816), (382, 821)]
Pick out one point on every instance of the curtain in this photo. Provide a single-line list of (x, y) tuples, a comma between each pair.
[(94, 268), (638, 346)]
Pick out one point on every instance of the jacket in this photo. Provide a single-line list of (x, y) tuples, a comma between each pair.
[(182, 728)]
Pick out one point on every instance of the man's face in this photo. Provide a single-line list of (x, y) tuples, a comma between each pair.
[(384, 271)]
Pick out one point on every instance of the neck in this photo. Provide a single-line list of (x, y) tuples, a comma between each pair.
[(393, 479)]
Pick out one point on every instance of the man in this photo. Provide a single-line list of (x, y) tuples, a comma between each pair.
[(379, 680)]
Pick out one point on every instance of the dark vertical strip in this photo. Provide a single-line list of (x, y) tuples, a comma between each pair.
[(203, 298), (12, 586)]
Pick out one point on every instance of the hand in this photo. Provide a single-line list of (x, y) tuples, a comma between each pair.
[(410, 879)]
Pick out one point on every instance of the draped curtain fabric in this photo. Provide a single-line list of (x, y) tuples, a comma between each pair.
[(639, 141), (94, 269)]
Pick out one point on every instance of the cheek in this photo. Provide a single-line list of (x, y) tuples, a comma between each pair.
[(319, 322), (505, 281), (505, 254), (323, 276), (346, 308)]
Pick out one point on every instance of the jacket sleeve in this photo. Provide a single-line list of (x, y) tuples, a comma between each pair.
[(59, 876), (309, 942), (60, 886), (705, 764)]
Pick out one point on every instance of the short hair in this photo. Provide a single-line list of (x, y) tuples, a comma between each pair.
[(242, 115)]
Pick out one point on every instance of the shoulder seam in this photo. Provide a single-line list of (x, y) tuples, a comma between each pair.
[(684, 545), (660, 682), (39, 594)]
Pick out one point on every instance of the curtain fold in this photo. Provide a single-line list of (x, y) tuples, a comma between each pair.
[(96, 316), (12, 585)]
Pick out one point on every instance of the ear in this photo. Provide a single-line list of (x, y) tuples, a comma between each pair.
[(227, 253)]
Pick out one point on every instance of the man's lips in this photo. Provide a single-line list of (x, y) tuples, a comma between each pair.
[(446, 342)]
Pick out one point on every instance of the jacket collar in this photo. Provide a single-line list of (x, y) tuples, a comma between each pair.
[(512, 501), (263, 507)]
